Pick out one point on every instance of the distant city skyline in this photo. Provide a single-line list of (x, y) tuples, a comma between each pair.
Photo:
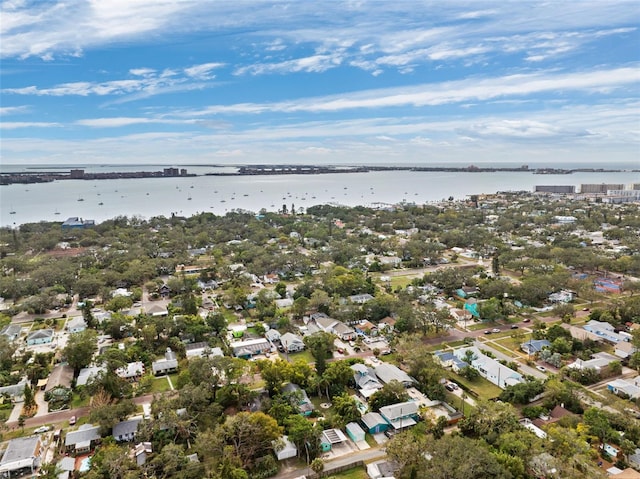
[(323, 82)]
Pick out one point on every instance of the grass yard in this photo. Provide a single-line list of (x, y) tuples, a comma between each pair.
[(355, 473), (161, 384), (483, 388), (304, 355), (78, 401)]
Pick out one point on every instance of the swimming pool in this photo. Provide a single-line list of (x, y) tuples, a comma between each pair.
[(85, 464)]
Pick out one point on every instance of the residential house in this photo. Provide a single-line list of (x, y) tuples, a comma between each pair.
[(202, 350), (21, 457), (164, 291), (449, 360), (624, 388), (360, 298), (333, 326), (303, 402), (489, 368), (61, 376), (126, 431), (581, 334), (605, 331), (563, 296), (374, 423), (366, 380), (87, 374), (41, 336), (141, 452), (131, 371), (82, 440), (634, 459), (598, 361), (66, 465), (272, 335), (355, 432), (387, 372), (555, 415), (157, 311), (331, 437), (382, 470), (283, 303), (11, 331), (624, 349), (387, 323), (400, 415), (76, 325), (285, 449), (250, 347), (528, 424), (534, 346), (292, 343), (367, 328), (167, 365), (14, 391)]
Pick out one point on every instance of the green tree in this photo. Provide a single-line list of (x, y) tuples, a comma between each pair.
[(321, 346), (317, 465), (305, 435), (80, 349), (391, 393), (251, 435), (345, 410), (274, 374)]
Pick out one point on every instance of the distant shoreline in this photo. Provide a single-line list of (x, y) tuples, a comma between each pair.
[(22, 177)]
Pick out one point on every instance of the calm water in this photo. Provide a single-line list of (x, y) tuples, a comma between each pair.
[(149, 197)]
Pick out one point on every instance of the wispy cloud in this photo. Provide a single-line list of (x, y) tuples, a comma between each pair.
[(13, 125), (13, 110), (431, 94), (145, 81)]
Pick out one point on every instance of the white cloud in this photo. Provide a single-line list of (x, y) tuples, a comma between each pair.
[(473, 89), (13, 125), (13, 110), (314, 63), (203, 71)]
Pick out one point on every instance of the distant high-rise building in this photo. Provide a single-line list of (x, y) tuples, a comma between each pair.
[(600, 188), (560, 189), (171, 172), (76, 174), (183, 172), (635, 186)]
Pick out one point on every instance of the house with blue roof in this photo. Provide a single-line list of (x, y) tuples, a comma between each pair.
[(534, 346), (605, 331), (449, 360)]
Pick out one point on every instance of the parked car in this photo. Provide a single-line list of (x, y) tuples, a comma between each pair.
[(41, 429), (541, 368), (495, 330), (514, 326), (72, 420), (526, 320), (488, 331), (449, 387)]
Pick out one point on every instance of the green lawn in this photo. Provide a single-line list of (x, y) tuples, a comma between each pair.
[(304, 355), (78, 401), (483, 388), (355, 473), (160, 385)]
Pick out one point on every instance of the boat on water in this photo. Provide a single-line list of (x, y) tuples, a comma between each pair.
[(12, 212), (80, 199), (56, 212), (189, 199), (100, 204)]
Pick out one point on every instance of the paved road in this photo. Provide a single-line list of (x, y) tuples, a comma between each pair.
[(62, 416)]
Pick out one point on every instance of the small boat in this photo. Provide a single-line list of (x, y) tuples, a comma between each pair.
[(223, 201), (189, 199), (12, 212), (56, 212), (147, 194), (99, 204), (80, 199), (245, 194)]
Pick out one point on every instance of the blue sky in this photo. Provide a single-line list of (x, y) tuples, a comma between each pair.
[(331, 82)]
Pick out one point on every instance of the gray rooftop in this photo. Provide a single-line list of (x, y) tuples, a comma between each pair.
[(388, 372), (127, 427), (86, 432), (19, 449)]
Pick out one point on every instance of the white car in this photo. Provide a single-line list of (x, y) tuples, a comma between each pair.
[(41, 429), (541, 368)]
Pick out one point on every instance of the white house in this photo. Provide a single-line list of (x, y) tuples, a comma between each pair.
[(489, 368), (286, 449), (291, 343)]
